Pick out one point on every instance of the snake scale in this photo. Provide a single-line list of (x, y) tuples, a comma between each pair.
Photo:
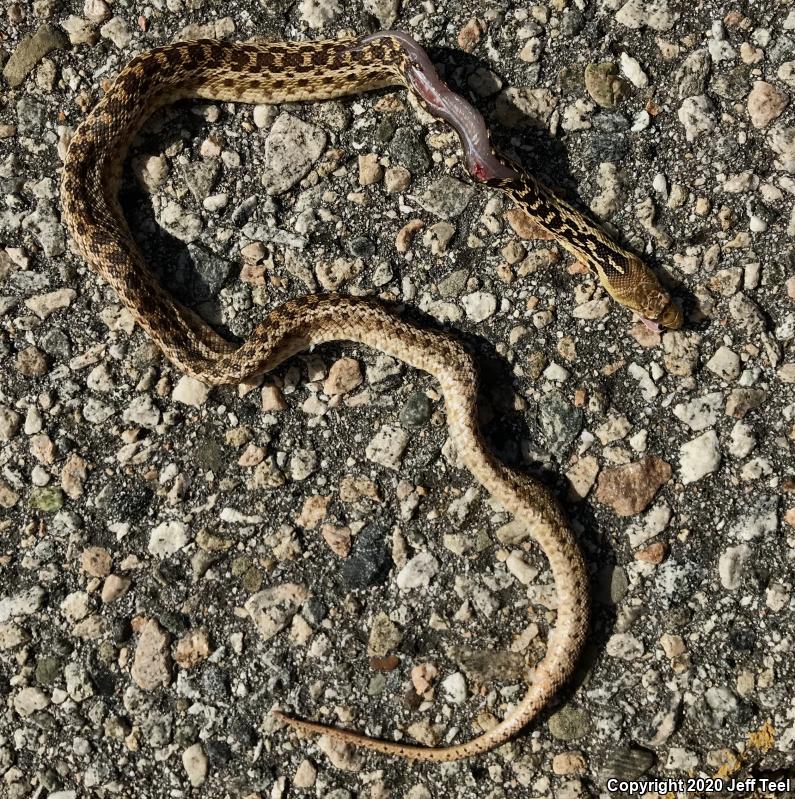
[(290, 71)]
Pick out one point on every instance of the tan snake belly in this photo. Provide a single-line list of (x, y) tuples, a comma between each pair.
[(280, 72)]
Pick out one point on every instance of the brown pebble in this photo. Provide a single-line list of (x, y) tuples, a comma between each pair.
[(654, 553), (743, 400), (192, 649), (272, 399), (629, 489), (386, 663), (32, 362), (407, 233), (344, 375), (470, 34), (568, 763), (96, 561)]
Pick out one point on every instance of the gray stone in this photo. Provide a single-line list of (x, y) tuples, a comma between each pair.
[(32, 115), (417, 410), (691, 77), (627, 763), (560, 421), (291, 148), (407, 149), (568, 724), (605, 148), (371, 559), (446, 197)]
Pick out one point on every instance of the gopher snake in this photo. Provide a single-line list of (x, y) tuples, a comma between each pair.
[(282, 72)]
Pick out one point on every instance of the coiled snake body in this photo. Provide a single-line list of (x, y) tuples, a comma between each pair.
[(282, 72)]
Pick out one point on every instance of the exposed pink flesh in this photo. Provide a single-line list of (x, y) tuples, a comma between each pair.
[(655, 327), (479, 157)]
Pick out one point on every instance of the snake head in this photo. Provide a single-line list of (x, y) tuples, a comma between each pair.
[(659, 311), (637, 287)]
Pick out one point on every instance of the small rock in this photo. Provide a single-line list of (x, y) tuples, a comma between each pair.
[(742, 440), (725, 363), (396, 179), (604, 85), (765, 103), (192, 649), (117, 30), (479, 305), (291, 148), (272, 399), (782, 142), (142, 411), (344, 375), (305, 775), (560, 421), (761, 519), (272, 610), (341, 755), (44, 305), (168, 538), (10, 422), (455, 688), (385, 11), (418, 572), (699, 457), (96, 561), (681, 352), (417, 410), (303, 463), (28, 701), (654, 14), (630, 489), (190, 391), (25, 603), (743, 400), (370, 171), (566, 763), (525, 106), (632, 69), (691, 76), (568, 723), (624, 646), (446, 198), (531, 51), (48, 499), (731, 564), (152, 666), (470, 33), (195, 763), (701, 412), (387, 446), (115, 587), (697, 115), (385, 636), (31, 362)]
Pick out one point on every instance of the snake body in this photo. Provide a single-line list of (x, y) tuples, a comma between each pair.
[(290, 71)]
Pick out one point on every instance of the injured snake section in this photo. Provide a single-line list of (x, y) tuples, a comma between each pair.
[(291, 71)]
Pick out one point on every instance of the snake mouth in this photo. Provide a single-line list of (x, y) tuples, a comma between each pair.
[(655, 327)]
